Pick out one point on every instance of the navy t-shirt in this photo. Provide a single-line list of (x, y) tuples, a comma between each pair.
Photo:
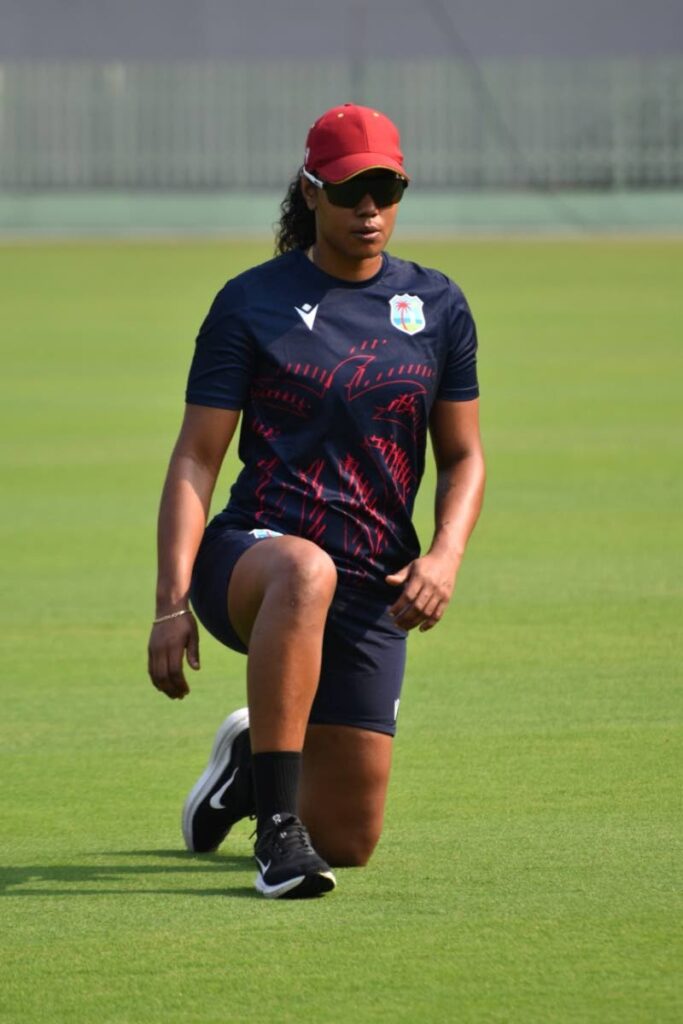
[(335, 380)]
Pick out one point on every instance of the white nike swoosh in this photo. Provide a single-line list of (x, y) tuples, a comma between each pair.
[(264, 867), (308, 317), (215, 800)]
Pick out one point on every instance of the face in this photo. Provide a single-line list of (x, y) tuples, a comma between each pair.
[(349, 236)]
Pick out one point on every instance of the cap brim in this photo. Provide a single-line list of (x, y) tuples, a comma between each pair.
[(348, 166)]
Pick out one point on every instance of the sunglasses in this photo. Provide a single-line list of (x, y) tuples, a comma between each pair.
[(385, 191)]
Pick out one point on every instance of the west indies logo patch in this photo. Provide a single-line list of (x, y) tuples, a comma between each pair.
[(406, 313)]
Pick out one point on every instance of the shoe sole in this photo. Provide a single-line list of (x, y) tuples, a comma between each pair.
[(221, 753), (300, 887)]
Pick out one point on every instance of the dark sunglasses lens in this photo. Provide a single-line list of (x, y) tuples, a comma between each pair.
[(384, 191)]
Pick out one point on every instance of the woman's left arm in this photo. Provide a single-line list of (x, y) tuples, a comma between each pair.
[(428, 581)]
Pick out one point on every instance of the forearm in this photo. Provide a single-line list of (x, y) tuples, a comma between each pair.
[(458, 501), (184, 508)]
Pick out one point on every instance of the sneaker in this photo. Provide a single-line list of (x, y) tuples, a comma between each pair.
[(224, 793), (289, 866)]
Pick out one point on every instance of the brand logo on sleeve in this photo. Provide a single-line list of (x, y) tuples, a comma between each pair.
[(406, 313), (307, 314)]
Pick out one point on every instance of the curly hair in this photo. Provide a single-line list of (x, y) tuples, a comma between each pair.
[(296, 229)]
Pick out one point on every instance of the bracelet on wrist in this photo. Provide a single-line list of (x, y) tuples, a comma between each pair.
[(171, 615)]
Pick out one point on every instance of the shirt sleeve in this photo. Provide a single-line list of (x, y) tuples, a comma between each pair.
[(459, 381), (221, 368)]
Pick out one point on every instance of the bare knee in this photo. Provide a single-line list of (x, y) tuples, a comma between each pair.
[(353, 855), (347, 850), (305, 575), (343, 789), (287, 579)]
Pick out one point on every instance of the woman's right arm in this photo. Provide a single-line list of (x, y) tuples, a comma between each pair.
[(195, 463)]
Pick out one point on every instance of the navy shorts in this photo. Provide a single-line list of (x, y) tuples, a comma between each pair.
[(364, 652)]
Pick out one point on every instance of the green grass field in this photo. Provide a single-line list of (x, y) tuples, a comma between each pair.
[(531, 852)]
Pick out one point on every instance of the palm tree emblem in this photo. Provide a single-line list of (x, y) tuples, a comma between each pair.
[(402, 307), (406, 313)]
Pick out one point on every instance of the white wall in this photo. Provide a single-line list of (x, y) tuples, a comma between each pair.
[(199, 29)]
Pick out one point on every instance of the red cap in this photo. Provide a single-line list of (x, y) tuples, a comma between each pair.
[(349, 139)]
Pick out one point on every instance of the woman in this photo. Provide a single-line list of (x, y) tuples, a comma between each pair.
[(339, 358)]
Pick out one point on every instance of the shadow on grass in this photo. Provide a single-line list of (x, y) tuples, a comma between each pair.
[(66, 880)]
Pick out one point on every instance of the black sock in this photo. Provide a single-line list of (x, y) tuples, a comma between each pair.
[(276, 783)]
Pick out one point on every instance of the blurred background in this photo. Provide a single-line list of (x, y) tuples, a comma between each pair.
[(528, 870), (162, 116)]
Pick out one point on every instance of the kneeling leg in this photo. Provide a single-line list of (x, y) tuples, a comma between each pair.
[(343, 788)]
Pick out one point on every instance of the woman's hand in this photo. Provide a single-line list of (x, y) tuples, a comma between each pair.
[(428, 584), (168, 642), (196, 460)]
